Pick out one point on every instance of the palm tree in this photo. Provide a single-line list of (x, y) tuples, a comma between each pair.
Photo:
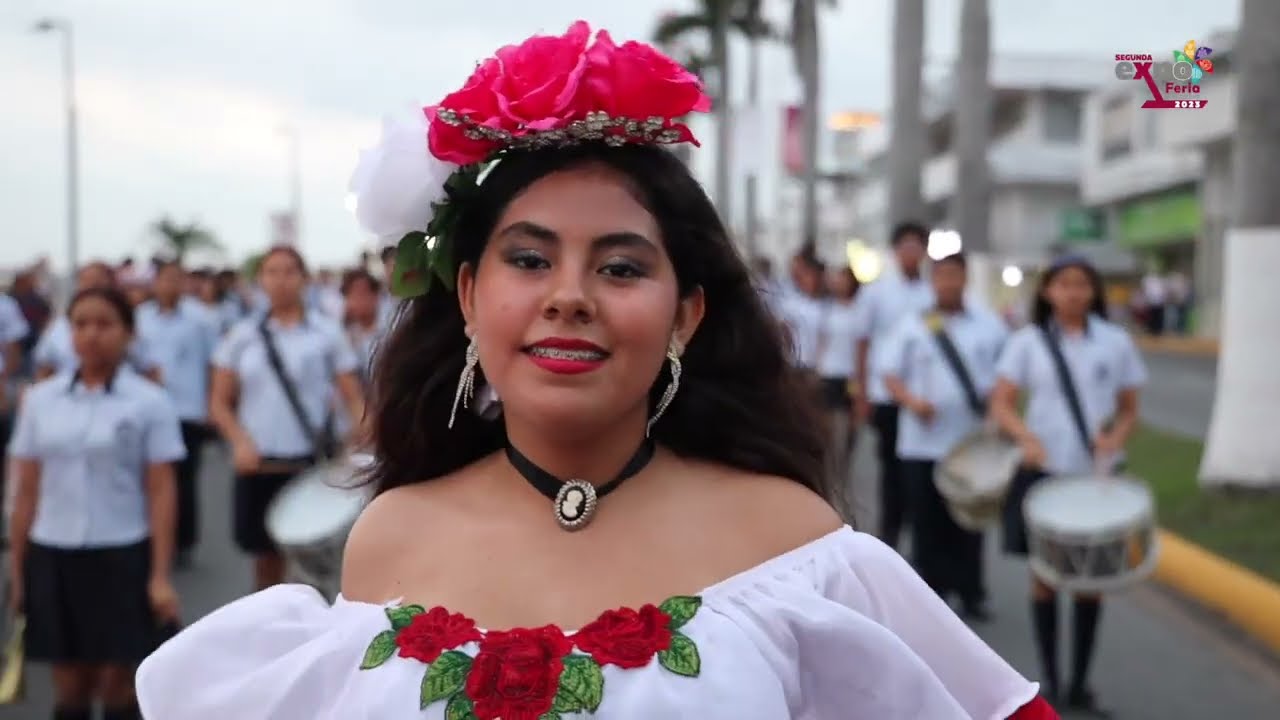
[(179, 239), (1241, 448), (907, 139), (971, 202), (716, 18)]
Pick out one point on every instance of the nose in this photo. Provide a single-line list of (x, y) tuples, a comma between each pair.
[(568, 297)]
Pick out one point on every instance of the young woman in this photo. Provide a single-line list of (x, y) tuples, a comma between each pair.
[(1107, 372), (593, 286), (250, 405), (93, 517)]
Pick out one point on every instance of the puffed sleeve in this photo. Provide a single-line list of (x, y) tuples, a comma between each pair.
[(280, 654), (881, 585), (853, 633)]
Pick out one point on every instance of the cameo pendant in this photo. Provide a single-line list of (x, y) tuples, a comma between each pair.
[(575, 504)]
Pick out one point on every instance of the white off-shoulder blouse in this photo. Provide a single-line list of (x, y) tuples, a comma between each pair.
[(838, 629)]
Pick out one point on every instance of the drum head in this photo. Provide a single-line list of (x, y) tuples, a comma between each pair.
[(1087, 505), (315, 506)]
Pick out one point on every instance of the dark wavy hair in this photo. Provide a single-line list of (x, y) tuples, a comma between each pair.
[(740, 403), (1042, 311), (114, 297)]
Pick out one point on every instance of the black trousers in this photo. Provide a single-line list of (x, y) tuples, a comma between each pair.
[(948, 557), (893, 491), (186, 471)]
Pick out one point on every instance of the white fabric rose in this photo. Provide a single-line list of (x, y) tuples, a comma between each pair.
[(396, 181)]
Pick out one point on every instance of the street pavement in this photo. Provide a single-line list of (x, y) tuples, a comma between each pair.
[(1178, 397), (1159, 658)]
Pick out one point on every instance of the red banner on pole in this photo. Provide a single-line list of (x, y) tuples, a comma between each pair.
[(793, 140)]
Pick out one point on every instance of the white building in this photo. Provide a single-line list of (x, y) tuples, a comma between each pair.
[(1035, 156), (1160, 180)]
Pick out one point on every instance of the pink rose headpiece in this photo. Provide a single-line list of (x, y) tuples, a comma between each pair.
[(549, 91)]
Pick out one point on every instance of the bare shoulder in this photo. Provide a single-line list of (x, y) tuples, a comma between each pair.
[(395, 531), (781, 513)]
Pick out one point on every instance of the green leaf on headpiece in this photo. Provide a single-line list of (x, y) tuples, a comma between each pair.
[(410, 278)]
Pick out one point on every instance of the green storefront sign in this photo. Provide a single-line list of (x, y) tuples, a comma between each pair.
[(1161, 220), (1081, 225)]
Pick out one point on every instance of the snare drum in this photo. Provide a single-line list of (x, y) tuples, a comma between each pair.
[(310, 520), (1091, 534)]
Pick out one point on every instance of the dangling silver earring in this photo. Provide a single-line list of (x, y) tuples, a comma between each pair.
[(466, 381), (669, 394)]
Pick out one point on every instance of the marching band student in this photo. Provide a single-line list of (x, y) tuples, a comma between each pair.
[(13, 329), (837, 358), (92, 527), (55, 353), (272, 440), (880, 306), (361, 292), (387, 303), (180, 333), (1076, 423), (938, 412), (801, 309)]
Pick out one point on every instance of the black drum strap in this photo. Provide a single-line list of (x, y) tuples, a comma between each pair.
[(1068, 387)]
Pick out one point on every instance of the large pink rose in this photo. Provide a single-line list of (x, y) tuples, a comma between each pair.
[(540, 84), (477, 102), (635, 81)]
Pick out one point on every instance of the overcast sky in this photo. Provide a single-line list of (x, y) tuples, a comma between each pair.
[(181, 102)]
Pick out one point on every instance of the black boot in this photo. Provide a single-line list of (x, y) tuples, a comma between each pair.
[(62, 713), (1044, 615), (1084, 631)]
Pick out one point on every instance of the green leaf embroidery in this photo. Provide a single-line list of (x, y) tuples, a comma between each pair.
[(380, 650), (682, 657), (681, 609), (400, 617), (445, 677), (459, 708), (549, 715), (581, 685)]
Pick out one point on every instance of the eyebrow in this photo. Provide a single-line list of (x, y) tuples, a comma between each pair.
[(619, 239)]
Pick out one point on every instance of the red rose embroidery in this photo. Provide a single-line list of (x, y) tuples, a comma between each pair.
[(634, 80), (517, 673), (432, 632), (625, 637), (539, 84)]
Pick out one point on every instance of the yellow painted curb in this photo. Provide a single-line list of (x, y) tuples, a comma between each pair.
[(1249, 600), (1199, 347)]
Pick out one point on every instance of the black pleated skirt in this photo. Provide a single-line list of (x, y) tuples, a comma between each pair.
[(89, 605), (1015, 523)]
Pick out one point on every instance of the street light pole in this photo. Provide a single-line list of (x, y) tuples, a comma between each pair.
[(295, 181), (63, 27)]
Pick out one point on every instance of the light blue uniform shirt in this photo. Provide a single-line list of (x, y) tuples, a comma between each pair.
[(13, 325), (880, 307), (94, 447), (181, 342), (1102, 361), (911, 353), (313, 353)]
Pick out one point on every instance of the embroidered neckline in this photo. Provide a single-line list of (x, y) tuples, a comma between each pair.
[(532, 673)]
